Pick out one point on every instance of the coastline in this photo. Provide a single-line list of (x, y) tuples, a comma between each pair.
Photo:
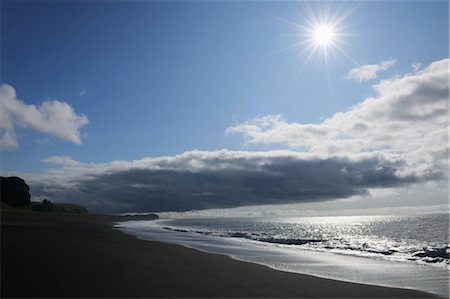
[(61, 255), (349, 267)]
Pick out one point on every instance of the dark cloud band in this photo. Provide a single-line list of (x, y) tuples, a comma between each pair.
[(249, 181)]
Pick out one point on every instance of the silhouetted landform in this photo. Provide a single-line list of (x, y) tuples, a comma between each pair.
[(47, 206), (15, 196), (14, 191), (149, 216)]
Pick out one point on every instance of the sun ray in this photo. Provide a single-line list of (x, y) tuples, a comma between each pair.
[(322, 33), (338, 48)]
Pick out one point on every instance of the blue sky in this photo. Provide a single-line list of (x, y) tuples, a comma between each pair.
[(162, 78)]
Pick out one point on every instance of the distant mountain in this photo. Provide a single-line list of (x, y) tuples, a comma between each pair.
[(47, 206)]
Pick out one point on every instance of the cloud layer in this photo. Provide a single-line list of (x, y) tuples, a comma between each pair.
[(51, 117), (394, 139), (218, 179), (406, 121), (369, 71)]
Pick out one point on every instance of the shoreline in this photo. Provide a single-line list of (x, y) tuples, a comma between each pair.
[(323, 264), (56, 255)]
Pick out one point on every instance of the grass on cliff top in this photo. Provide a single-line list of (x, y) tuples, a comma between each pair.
[(59, 207), (7, 208)]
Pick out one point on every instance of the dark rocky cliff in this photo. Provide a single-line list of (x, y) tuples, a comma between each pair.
[(14, 191)]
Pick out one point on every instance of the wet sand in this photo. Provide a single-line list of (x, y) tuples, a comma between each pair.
[(82, 256)]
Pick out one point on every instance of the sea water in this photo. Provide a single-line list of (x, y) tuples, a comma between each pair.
[(398, 251)]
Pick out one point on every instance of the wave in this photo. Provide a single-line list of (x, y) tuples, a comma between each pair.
[(425, 255), (289, 241)]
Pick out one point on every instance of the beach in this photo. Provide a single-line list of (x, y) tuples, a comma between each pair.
[(59, 255), (373, 250)]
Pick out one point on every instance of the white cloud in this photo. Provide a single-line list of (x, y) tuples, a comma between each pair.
[(406, 121), (51, 117), (62, 160), (369, 71)]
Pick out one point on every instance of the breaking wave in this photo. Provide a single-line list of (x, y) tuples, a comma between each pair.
[(379, 238)]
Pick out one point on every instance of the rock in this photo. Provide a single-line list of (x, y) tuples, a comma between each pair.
[(14, 191), (433, 253)]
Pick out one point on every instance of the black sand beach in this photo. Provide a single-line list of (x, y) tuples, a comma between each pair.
[(59, 255)]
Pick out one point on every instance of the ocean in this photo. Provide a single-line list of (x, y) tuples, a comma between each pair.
[(398, 251)]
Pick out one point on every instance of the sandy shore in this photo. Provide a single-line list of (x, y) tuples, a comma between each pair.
[(52, 255)]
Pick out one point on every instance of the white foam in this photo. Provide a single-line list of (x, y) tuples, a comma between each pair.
[(365, 270)]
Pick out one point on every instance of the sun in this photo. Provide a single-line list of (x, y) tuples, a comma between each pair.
[(323, 35)]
